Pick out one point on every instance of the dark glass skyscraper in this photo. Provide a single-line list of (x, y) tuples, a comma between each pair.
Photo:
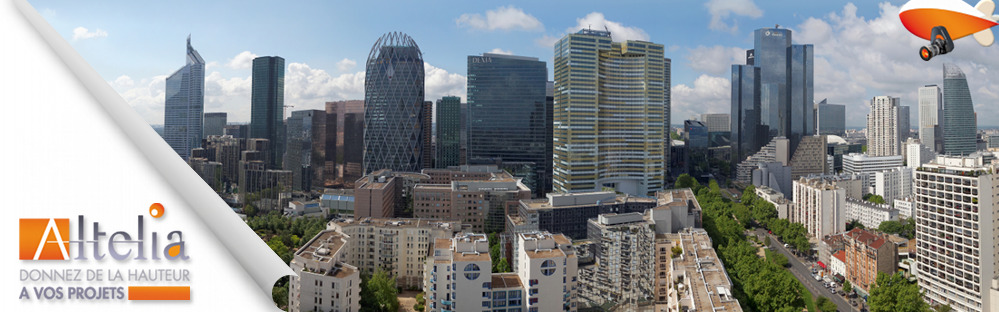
[(831, 118), (747, 130), (267, 104), (448, 132), (959, 138), (786, 84), (508, 117), (393, 105), (185, 105), (306, 150)]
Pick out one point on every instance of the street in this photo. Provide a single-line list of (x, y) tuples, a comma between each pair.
[(804, 274)]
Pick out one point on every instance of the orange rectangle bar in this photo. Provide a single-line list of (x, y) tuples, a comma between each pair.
[(159, 292)]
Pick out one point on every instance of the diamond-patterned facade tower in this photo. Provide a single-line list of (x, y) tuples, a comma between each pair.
[(393, 98)]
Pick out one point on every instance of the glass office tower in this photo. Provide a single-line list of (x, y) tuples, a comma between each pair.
[(748, 132), (786, 84), (959, 138), (610, 114), (930, 117), (448, 132), (267, 105), (831, 118), (183, 117), (507, 114), (393, 105)]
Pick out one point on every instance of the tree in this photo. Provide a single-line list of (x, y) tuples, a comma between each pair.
[(766, 241), (877, 199), (943, 308), (676, 251), (854, 224), (825, 305), (847, 287), (378, 293), (280, 295), (686, 181), (421, 303), (893, 293), (279, 248), (502, 266), (776, 258)]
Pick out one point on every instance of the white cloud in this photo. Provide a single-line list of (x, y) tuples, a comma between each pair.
[(546, 41), (619, 32), (708, 94), (309, 88), (345, 65), (721, 10), (146, 96), (716, 60), (242, 60), (84, 33), (501, 51), (502, 18), (440, 83)]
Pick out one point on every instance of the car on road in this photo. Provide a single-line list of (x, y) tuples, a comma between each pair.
[(785, 245)]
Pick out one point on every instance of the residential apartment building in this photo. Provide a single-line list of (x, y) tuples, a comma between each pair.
[(883, 129), (893, 184), (956, 211), (696, 279), (869, 214), (322, 280), (867, 254), (480, 203), (458, 276), (918, 154), (624, 254), (818, 205), (397, 246)]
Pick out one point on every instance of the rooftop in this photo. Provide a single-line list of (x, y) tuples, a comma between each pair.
[(707, 285), (865, 237), (322, 247), (506, 280), (577, 200), (398, 223)]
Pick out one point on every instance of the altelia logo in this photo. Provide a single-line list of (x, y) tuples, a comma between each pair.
[(48, 239)]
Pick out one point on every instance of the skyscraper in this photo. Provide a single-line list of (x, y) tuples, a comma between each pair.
[(508, 115), (748, 133), (215, 123), (393, 105), (610, 114), (959, 133), (185, 105), (830, 118), (344, 143), (267, 104), (306, 150), (786, 84), (904, 129), (448, 131), (883, 127), (426, 126), (930, 115)]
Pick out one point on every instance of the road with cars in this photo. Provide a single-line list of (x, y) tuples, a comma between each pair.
[(804, 274)]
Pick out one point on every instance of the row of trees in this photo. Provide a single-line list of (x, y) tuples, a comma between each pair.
[(764, 214), (905, 228), (759, 284)]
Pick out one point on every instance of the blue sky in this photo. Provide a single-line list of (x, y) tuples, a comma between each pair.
[(861, 48)]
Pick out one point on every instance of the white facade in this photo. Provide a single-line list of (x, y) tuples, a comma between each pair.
[(930, 115), (893, 184), (775, 198), (956, 211), (883, 131), (918, 154), (904, 207), (458, 276), (869, 214), (819, 206), (322, 281), (400, 245), (867, 166), (837, 264)]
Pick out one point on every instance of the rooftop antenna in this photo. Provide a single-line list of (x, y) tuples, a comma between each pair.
[(776, 25)]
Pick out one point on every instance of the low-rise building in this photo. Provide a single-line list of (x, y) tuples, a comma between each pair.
[(869, 214), (322, 281), (867, 254), (904, 207), (775, 198), (856, 163), (837, 264), (337, 201), (397, 246), (473, 200), (567, 213)]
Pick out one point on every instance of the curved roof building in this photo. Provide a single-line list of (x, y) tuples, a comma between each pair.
[(393, 99)]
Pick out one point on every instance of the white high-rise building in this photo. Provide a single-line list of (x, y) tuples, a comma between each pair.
[(883, 129), (918, 154), (867, 166), (930, 114), (893, 184), (819, 206), (322, 281), (956, 230), (459, 278)]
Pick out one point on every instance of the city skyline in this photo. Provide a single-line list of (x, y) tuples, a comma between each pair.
[(714, 34)]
